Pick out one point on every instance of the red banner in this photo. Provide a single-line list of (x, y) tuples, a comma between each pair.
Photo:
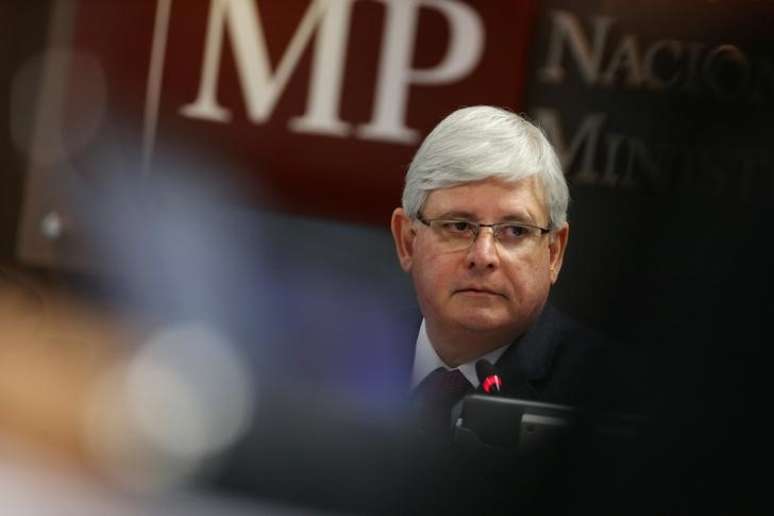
[(320, 104)]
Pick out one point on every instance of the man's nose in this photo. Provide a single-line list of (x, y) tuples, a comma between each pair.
[(483, 250)]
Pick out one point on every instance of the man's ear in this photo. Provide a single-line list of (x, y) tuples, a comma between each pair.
[(556, 248), (403, 234)]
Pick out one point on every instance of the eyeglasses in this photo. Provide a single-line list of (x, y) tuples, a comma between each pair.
[(460, 234)]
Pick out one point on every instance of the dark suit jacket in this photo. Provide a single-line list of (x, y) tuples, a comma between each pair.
[(557, 361)]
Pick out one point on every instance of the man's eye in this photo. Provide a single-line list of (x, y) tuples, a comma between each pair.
[(457, 226), (513, 231)]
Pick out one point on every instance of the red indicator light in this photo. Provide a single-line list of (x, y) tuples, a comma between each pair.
[(492, 383)]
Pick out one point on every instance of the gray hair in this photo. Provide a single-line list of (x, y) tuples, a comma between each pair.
[(482, 142)]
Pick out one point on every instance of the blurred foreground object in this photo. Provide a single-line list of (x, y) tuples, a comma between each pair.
[(87, 393), (52, 350), (28, 489)]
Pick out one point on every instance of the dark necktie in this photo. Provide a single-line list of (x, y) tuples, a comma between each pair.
[(435, 396)]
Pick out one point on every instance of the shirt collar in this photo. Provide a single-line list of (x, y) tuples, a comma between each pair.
[(426, 360)]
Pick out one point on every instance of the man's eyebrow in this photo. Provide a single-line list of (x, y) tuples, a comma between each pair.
[(518, 217), (456, 214), (511, 217)]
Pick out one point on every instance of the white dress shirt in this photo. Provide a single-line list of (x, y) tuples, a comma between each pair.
[(426, 360)]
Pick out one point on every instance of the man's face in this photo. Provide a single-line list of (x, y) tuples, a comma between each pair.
[(485, 288)]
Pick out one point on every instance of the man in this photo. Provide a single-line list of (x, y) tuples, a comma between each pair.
[(483, 231)]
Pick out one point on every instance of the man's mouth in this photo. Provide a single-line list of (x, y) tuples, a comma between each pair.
[(479, 291)]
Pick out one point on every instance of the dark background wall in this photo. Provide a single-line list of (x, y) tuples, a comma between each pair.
[(23, 32)]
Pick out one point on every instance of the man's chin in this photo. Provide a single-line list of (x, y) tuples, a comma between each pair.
[(482, 322)]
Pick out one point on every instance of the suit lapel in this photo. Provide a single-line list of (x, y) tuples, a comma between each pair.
[(527, 364)]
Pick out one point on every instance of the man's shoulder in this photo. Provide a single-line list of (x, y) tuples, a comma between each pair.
[(561, 359), (596, 369)]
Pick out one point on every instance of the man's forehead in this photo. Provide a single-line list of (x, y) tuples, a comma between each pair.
[(522, 197)]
